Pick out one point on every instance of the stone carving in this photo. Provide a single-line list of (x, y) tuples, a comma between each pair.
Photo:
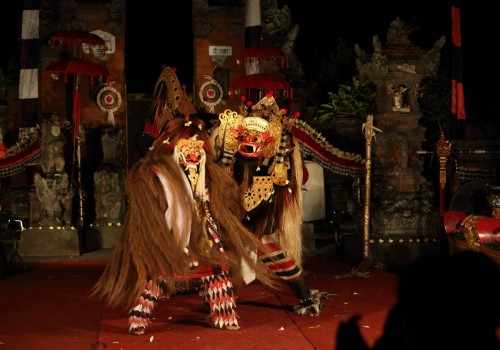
[(52, 145), (374, 68), (402, 212), (112, 142), (398, 33), (109, 195), (399, 98), (109, 179), (398, 62), (54, 194), (52, 186), (396, 152)]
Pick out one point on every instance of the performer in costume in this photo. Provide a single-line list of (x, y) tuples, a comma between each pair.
[(258, 150), (493, 198), (182, 222)]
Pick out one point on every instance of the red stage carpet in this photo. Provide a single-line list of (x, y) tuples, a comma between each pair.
[(48, 308)]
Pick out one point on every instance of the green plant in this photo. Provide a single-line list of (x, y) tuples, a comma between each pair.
[(353, 101), (434, 99), (434, 102)]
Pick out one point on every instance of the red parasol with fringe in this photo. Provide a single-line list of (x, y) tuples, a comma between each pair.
[(79, 37), (264, 53), (263, 82), (76, 67)]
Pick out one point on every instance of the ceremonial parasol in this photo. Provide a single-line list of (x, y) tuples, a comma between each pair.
[(262, 81), (78, 36), (263, 53), (76, 67), (255, 59)]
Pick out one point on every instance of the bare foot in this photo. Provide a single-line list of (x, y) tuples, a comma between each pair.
[(137, 331), (232, 328)]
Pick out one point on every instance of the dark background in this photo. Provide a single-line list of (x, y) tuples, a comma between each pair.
[(159, 32)]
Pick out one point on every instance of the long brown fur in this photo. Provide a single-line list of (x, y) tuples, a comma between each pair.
[(147, 248), (282, 219)]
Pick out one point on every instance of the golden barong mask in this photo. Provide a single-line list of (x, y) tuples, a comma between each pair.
[(190, 151), (253, 133), (190, 154)]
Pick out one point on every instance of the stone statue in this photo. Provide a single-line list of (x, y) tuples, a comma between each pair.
[(111, 142), (52, 145), (109, 194), (54, 194), (399, 98), (109, 179), (399, 32)]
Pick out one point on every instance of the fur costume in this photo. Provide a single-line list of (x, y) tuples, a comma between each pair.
[(257, 148), (183, 221)]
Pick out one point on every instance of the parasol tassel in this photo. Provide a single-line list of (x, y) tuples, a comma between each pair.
[(111, 117)]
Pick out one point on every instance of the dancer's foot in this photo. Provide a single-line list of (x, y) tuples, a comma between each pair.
[(311, 306), (232, 328), (137, 330)]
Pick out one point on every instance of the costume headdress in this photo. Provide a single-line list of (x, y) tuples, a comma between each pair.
[(257, 131), (169, 100), (493, 195)]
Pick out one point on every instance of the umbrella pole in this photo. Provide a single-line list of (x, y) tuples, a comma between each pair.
[(79, 225), (79, 175), (77, 141)]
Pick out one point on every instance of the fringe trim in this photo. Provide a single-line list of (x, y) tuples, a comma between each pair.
[(220, 295), (275, 259), (140, 315)]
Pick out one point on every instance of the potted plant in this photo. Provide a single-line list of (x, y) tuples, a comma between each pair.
[(343, 115)]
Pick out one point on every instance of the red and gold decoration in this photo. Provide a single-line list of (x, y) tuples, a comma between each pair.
[(211, 94), (109, 100), (183, 222), (264, 158), (78, 67)]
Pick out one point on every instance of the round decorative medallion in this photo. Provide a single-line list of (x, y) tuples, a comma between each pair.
[(211, 94), (109, 100)]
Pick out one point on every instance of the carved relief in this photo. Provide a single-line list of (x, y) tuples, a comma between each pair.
[(52, 146), (109, 178), (109, 195), (54, 195)]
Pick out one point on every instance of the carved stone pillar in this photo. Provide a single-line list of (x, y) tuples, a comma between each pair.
[(402, 199), (53, 189), (109, 177)]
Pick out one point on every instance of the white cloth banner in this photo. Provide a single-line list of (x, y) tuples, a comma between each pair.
[(28, 83), (30, 26)]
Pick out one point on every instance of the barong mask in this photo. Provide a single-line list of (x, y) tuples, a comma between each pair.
[(191, 155), (256, 132)]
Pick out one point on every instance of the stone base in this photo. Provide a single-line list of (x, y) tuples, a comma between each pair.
[(396, 255), (49, 242), (99, 237)]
